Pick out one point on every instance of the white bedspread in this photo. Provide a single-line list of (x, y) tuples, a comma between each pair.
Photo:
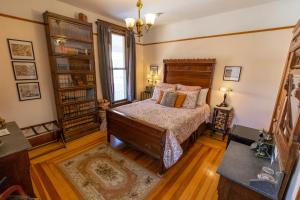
[(179, 122)]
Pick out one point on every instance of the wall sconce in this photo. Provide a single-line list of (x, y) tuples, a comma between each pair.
[(225, 91)]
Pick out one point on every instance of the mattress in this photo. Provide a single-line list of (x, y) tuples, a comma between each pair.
[(180, 123)]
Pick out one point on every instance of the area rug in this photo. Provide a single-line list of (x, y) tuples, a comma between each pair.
[(103, 173)]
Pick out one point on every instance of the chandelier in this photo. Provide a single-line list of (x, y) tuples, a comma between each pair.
[(139, 25)]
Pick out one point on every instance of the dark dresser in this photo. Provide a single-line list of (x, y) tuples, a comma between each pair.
[(243, 135), (238, 167), (14, 160)]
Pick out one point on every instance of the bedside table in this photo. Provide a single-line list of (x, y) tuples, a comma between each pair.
[(146, 95), (222, 119)]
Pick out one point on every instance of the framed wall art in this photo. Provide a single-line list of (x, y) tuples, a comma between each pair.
[(24, 70), (28, 91), (154, 69), (232, 73), (20, 49)]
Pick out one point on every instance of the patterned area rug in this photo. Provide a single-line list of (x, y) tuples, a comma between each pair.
[(102, 173)]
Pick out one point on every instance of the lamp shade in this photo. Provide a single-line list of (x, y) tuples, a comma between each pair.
[(130, 22), (150, 18), (225, 89)]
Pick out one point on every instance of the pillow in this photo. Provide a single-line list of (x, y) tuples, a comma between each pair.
[(161, 94), (179, 100), (191, 99), (157, 90), (202, 97), (188, 88), (169, 99)]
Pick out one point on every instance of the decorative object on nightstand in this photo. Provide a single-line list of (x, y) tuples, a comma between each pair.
[(225, 91), (103, 106), (222, 119)]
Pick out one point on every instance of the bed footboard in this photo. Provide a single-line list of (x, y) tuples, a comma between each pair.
[(144, 136)]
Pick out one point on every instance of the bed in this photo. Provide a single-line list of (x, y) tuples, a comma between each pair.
[(161, 132)]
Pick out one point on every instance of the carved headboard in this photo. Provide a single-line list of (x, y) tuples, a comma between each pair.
[(193, 72)]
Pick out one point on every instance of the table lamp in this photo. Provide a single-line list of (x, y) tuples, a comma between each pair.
[(225, 91)]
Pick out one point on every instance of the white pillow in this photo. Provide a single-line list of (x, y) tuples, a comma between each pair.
[(202, 97), (191, 98)]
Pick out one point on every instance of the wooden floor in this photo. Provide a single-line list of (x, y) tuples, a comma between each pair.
[(193, 177)]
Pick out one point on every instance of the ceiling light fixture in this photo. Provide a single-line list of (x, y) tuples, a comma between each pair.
[(139, 23)]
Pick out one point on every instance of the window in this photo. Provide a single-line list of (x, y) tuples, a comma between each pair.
[(119, 69)]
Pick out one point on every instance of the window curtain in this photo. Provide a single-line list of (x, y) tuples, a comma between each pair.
[(105, 61), (131, 66)]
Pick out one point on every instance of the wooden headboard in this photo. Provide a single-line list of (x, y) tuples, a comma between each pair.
[(193, 72)]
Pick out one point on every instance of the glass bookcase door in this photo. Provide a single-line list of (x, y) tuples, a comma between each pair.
[(67, 97), (69, 30), (75, 110), (75, 80), (66, 64), (70, 47)]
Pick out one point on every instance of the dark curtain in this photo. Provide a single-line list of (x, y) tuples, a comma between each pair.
[(131, 66), (105, 61)]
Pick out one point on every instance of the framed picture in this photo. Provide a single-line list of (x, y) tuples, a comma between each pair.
[(232, 73), (24, 70), (154, 69), (20, 49), (28, 91)]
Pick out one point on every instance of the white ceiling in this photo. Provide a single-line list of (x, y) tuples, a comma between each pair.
[(173, 10)]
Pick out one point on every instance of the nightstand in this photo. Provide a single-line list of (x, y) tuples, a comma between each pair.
[(146, 95), (222, 118)]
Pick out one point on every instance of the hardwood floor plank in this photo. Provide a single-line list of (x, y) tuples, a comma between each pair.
[(51, 189), (192, 177)]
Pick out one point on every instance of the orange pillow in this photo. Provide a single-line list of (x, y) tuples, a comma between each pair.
[(180, 100), (161, 94)]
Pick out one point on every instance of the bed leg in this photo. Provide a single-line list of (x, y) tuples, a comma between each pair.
[(162, 168)]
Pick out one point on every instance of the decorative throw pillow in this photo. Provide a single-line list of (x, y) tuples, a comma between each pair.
[(202, 97), (188, 88), (157, 90), (161, 94), (179, 100), (191, 99), (169, 99)]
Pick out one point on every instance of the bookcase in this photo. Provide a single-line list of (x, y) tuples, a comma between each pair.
[(71, 54)]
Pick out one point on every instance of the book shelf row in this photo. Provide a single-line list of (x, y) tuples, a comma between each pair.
[(75, 123), (78, 109), (72, 64), (77, 95), (73, 80), (68, 47)]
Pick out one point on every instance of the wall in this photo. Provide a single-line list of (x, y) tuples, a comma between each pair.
[(273, 14), (262, 62), (37, 111)]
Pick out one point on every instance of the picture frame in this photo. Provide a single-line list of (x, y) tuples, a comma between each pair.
[(29, 91), (154, 69), (232, 73), (20, 49), (24, 70)]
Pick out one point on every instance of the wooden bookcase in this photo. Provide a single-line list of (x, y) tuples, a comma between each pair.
[(71, 54)]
